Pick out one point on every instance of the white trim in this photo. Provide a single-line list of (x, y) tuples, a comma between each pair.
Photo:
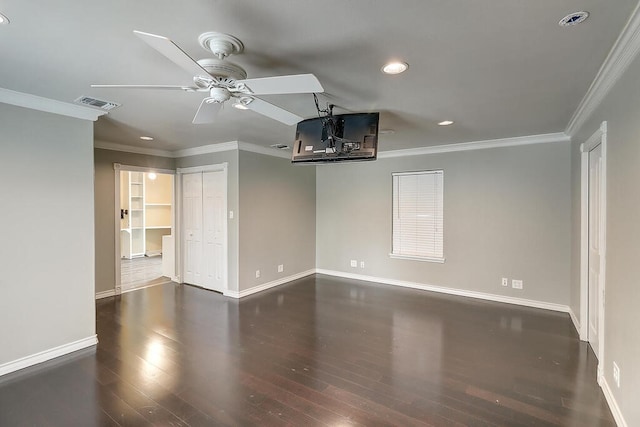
[(450, 291), (269, 285), (34, 102), (267, 151), (49, 354), (576, 322), (137, 288), (478, 145), (246, 146), (117, 289), (206, 168), (206, 149), (103, 145), (598, 138), (144, 169), (106, 294), (613, 404), (418, 258), (623, 52)]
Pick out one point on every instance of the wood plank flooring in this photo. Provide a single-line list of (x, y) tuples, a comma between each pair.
[(140, 272), (317, 351)]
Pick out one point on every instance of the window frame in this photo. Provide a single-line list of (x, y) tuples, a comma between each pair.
[(425, 258)]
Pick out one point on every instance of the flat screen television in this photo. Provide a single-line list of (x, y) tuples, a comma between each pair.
[(339, 137)]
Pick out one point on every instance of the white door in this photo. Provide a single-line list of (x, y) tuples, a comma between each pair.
[(214, 194), (204, 225), (595, 218), (192, 221)]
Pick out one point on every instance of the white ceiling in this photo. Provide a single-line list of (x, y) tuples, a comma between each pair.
[(499, 68)]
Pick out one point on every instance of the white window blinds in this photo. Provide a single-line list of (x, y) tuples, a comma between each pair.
[(418, 215)]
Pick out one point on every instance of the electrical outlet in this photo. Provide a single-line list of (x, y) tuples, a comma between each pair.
[(516, 284), (505, 281), (257, 274), (354, 263), (361, 264), (280, 268), (616, 374)]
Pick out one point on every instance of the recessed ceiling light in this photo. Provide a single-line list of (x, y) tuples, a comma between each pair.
[(3, 19), (386, 131), (395, 67), (146, 138), (573, 19), (240, 106), (445, 123)]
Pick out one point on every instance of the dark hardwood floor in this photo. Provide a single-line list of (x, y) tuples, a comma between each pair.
[(317, 351)]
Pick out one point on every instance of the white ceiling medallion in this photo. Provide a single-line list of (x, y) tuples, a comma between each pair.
[(573, 19)]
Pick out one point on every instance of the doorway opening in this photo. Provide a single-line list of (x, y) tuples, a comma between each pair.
[(145, 227)]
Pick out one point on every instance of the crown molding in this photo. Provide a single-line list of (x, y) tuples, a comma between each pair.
[(131, 149), (195, 151), (34, 102), (267, 151), (623, 52), (246, 146), (478, 145), (206, 149)]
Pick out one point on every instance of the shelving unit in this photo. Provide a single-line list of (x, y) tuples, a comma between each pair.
[(148, 203)]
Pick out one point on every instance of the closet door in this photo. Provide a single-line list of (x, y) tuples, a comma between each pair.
[(192, 217), (214, 197)]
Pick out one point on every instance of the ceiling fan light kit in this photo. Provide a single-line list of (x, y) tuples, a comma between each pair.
[(224, 80)]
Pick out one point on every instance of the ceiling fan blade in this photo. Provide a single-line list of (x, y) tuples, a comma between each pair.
[(207, 112), (172, 51), (297, 83), (273, 112), (164, 87)]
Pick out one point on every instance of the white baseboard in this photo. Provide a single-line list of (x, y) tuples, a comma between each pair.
[(105, 294), (43, 356), (269, 285), (613, 405), (450, 291), (576, 321)]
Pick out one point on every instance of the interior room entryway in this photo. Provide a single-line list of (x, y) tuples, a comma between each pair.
[(145, 218)]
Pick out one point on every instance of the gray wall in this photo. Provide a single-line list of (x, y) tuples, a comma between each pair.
[(47, 250), (105, 208), (231, 158), (277, 218), (506, 214), (621, 110)]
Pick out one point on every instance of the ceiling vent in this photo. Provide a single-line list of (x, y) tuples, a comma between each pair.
[(98, 103), (280, 146)]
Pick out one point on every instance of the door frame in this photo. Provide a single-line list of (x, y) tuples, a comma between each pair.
[(224, 167), (129, 168), (598, 138)]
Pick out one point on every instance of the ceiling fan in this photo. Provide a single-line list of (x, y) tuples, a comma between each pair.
[(223, 80)]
